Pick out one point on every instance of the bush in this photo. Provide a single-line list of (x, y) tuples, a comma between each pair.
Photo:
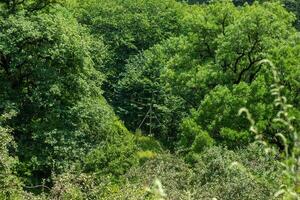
[(217, 173), (193, 137), (244, 174)]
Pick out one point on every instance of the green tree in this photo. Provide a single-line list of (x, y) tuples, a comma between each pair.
[(211, 68), (128, 27), (293, 6), (49, 74)]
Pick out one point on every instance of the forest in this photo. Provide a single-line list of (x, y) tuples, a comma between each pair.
[(149, 99)]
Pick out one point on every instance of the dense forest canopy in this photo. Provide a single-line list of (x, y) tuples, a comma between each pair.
[(149, 99)]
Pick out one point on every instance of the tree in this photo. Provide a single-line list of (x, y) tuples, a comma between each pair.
[(293, 6), (48, 72), (207, 69), (143, 24)]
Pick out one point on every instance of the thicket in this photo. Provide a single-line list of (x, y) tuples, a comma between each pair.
[(139, 99)]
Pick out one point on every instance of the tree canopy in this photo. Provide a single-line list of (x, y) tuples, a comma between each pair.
[(149, 99)]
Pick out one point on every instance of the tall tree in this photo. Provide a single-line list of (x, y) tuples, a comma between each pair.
[(206, 69), (48, 73), (128, 27)]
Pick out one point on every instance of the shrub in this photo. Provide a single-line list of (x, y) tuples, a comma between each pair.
[(217, 173)]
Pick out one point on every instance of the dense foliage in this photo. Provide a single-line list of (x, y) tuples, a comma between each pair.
[(139, 99)]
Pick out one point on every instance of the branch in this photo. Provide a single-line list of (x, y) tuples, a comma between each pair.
[(246, 69), (238, 61)]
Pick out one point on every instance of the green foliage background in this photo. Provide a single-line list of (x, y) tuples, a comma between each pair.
[(100, 98)]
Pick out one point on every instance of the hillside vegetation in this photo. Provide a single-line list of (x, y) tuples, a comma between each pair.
[(149, 99)]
